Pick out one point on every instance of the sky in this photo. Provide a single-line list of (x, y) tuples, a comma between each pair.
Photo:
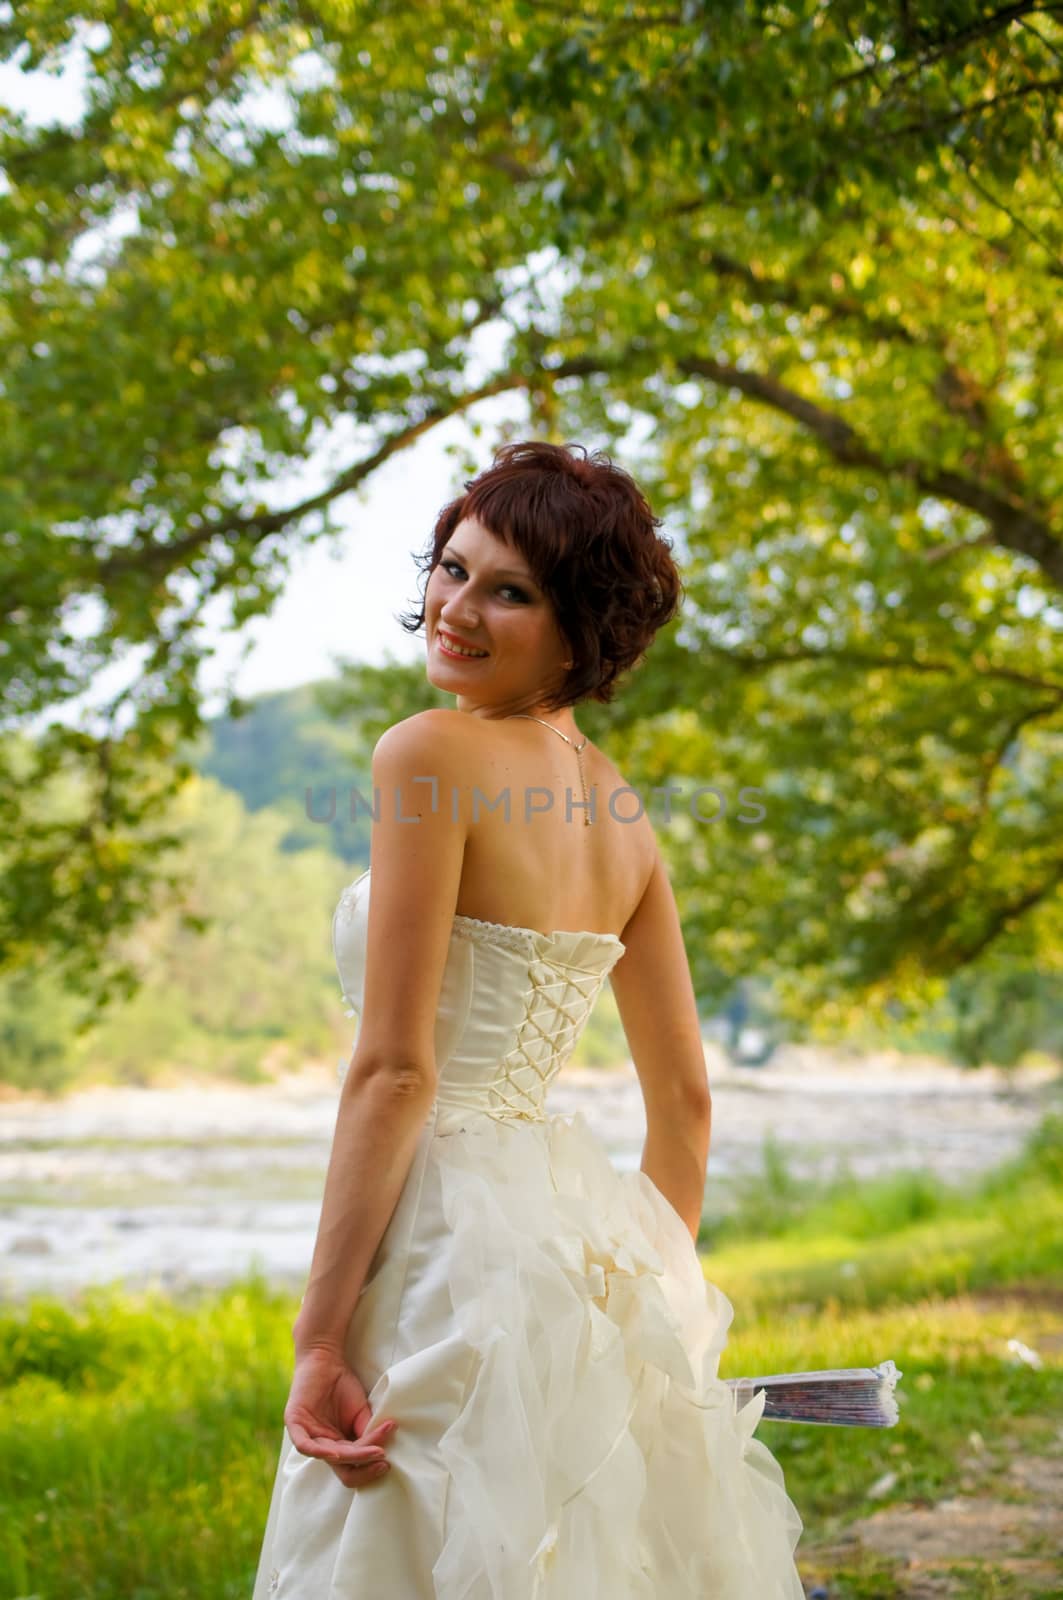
[(341, 594)]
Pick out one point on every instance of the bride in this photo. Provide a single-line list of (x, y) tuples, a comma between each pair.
[(506, 1357)]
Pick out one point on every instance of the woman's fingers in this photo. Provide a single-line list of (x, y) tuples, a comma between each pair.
[(360, 1453), (364, 1453), (355, 1463), (328, 1417), (334, 1451), (352, 1470), (354, 1476), (380, 1432), (354, 1455), (354, 1452)]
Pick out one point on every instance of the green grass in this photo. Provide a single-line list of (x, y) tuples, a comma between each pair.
[(138, 1436), (774, 1203), (138, 1439), (894, 1238)]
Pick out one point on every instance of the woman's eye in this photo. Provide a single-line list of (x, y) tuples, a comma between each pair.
[(452, 566)]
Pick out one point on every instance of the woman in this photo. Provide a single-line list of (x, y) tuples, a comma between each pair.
[(506, 1357)]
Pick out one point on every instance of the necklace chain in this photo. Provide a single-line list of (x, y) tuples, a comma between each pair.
[(577, 747)]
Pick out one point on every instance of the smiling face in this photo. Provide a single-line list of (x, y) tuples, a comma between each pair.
[(482, 594)]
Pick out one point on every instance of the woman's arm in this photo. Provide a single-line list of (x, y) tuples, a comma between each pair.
[(655, 998), (391, 1082), (382, 1110)]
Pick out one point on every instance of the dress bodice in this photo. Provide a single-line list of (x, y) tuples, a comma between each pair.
[(513, 1002)]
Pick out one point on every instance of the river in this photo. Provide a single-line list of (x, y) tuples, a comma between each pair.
[(195, 1186)]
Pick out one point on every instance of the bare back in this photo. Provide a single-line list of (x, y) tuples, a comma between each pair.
[(546, 872)]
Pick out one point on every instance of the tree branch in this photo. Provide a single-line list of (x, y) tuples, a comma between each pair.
[(164, 558), (992, 759), (948, 44), (853, 656), (1017, 526), (1008, 912)]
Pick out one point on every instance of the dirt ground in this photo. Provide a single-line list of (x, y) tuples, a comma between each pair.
[(1000, 1536)]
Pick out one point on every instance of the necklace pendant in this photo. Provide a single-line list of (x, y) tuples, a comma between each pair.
[(525, 716)]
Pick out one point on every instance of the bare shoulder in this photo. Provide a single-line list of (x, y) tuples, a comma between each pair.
[(414, 765), (427, 743), (437, 728)]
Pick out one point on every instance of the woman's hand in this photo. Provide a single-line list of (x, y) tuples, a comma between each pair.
[(328, 1416)]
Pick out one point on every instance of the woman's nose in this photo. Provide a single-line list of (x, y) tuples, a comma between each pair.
[(461, 617)]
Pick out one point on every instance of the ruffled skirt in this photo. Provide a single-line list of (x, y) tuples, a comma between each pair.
[(540, 1327)]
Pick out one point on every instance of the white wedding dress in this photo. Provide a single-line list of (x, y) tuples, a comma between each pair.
[(540, 1327)]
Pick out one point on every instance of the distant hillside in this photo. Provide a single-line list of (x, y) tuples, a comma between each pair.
[(287, 755)]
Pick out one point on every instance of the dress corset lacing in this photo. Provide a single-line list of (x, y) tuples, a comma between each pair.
[(556, 1006), (557, 996)]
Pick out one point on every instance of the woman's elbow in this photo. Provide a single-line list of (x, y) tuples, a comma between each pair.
[(402, 1077)]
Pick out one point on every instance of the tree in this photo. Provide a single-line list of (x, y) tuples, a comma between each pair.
[(237, 982), (809, 256)]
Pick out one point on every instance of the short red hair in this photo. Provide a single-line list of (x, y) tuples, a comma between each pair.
[(589, 536)]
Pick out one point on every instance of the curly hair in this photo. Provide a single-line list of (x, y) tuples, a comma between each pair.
[(589, 537)]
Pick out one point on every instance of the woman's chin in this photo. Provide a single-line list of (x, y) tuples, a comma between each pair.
[(451, 676)]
